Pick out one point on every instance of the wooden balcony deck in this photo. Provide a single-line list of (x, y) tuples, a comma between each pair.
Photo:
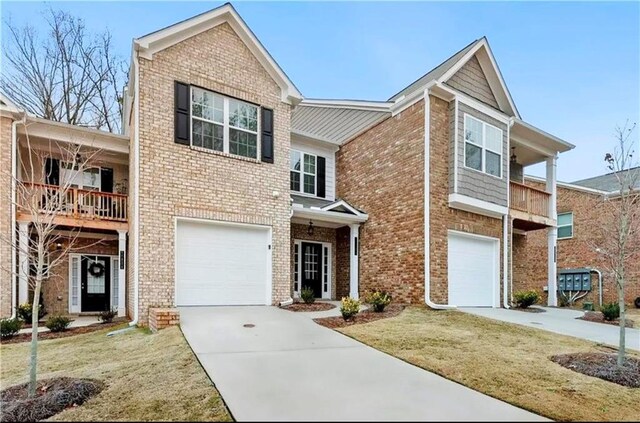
[(529, 207)]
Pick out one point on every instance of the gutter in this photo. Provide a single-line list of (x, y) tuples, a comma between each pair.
[(14, 170), (136, 188), (427, 247)]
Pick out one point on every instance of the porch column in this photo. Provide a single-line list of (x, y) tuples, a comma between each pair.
[(23, 262), (552, 234), (122, 272), (353, 261)]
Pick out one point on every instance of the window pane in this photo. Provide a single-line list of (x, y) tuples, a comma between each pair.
[(565, 232), (295, 160), (243, 115), (565, 219), (473, 130), (473, 158), (493, 139), (309, 164), (295, 181), (309, 184), (493, 163), (243, 143)]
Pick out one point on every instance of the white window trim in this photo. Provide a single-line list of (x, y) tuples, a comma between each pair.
[(78, 308), (564, 226), (328, 258), (302, 172), (225, 125), (64, 172), (483, 148)]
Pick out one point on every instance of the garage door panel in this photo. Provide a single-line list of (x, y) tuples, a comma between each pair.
[(472, 270), (221, 264)]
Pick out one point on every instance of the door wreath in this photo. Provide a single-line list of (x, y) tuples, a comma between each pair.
[(96, 269)]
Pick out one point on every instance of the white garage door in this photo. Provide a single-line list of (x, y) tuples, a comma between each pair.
[(220, 264), (474, 271)]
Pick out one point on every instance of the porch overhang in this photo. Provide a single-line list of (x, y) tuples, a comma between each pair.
[(533, 145), (331, 215)]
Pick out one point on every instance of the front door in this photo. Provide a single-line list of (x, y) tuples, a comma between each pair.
[(95, 276), (312, 267)]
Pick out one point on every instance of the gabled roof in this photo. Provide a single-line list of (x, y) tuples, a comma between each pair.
[(609, 182), (7, 104), (159, 40)]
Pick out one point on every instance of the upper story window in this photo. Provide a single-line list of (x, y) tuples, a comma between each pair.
[(89, 179), (565, 225), (223, 124), (482, 146), (303, 172)]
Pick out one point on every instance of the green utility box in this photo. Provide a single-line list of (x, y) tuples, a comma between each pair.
[(587, 305)]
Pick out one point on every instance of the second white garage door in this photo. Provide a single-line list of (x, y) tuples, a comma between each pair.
[(474, 270), (222, 264)]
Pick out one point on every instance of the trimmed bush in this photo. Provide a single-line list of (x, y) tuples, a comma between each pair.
[(378, 300), (525, 299), (9, 327), (307, 295), (610, 311), (57, 323), (107, 316), (25, 312), (349, 307)]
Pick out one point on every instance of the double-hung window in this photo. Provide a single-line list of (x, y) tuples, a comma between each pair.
[(565, 225), (223, 124), (303, 172), (482, 146)]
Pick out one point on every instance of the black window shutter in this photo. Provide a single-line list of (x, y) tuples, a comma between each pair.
[(267, 135), (182, 106), (52, 171), (106, 179), (321, 175)]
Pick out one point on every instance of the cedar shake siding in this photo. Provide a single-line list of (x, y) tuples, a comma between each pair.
[(179, 181), (471, 80), (5, 217)]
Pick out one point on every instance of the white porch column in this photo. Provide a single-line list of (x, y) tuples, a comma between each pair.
[(23, 262), (353, 260), (122, 272), (552, 234)]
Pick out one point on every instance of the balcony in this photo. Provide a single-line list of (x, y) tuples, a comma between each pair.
[(529, 207), (73, 206)]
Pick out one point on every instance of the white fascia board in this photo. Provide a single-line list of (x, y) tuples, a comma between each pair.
[(568, 185), (557, 144), (475, 104), (373, 106), (342, 203), (328, 216), (473, 205), (150, 44)]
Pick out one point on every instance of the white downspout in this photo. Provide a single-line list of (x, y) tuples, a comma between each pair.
[(427, 248), (505, 259), (136, 188), (14, 176)]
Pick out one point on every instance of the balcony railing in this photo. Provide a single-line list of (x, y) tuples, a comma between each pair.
[(72, 202), (529, 200)]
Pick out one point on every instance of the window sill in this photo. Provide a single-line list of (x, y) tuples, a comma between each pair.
[(223, 154)]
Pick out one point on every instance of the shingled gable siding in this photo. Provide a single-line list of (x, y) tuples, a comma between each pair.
[(471, 80), (5, 217), (177, 181), (474, 183)]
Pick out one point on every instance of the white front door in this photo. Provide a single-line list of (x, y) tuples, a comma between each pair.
[(473, 270), (222, 264)]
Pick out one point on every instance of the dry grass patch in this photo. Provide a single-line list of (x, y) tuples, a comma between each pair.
[(505, 361), (147, 376)]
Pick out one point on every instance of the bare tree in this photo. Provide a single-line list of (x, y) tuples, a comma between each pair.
[(43, 204), (67, 75), (618, 240)]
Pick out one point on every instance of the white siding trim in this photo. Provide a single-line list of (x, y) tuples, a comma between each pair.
[(329, 154)]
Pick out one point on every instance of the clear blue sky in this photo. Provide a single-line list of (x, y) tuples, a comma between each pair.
[(573, 68)]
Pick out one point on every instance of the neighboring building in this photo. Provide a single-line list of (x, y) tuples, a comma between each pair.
[(582, 210), (240, 191)]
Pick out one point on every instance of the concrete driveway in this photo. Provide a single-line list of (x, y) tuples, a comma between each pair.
[(286, 367), (564, 322)]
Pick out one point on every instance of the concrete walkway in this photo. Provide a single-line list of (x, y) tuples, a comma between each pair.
[(76, 322), (271, 364), (564, 322)]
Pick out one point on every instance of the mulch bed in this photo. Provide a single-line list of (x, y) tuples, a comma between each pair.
[(596, 316), (602, 366), (316, 306), (366, 316), (26, 337), (52, 396), (530, 309)]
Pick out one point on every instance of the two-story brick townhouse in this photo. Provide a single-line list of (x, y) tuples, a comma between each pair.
[(243, 192)]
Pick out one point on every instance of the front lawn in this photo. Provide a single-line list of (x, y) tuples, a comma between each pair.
[(505, 361), (147, 376)]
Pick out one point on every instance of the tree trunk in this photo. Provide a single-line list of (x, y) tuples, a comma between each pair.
[(623, 321), (33, 365)]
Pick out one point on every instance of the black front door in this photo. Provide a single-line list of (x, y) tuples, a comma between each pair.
[(95, 277), (312, 267)]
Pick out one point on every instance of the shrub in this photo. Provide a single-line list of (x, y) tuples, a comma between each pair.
[(610, 311), (525, 299), (57, 323), (379, 300), (25, 312), (349, 307), (307, 295), (9, 327), (107, 316)]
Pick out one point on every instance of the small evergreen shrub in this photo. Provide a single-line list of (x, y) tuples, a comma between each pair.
[(378, 300), (349, 307), (525, 299), (57, 323), (307, 295), (107, 316), (9, 327), (25, 312), (610, 311)]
